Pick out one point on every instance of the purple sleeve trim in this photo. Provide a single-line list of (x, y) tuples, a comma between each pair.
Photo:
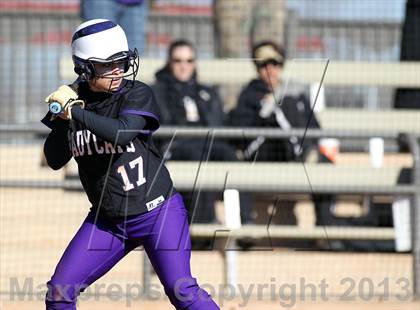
[(152, 120), (139, 112)]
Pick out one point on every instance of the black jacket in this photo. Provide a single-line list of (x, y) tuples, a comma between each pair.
[(296, 108), (170, 93), (409, 98)]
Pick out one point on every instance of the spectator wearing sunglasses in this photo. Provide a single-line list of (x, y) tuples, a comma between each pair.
[(268, 101), (184, 101)]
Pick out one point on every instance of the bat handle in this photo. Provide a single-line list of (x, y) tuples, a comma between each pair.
[(55, 108)]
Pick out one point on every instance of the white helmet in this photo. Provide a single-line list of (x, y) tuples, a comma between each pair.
[(101, 40)]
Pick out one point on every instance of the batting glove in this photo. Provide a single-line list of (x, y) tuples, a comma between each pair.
[(67, 98)]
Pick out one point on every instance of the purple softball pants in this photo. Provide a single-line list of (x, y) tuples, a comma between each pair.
[(99, 245)]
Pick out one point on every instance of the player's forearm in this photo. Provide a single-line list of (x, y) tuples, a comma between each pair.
[(120, 131), (56, 146)]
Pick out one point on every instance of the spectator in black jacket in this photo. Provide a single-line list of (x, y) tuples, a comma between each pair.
[(183, 100), (186, 102), (269, 101)]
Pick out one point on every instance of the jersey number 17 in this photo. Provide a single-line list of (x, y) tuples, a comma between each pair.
[(141, 179)]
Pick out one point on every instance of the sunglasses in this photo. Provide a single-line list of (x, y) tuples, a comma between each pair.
[(268, 62), (179, 60)]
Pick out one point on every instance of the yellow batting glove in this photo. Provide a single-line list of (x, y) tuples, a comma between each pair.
[(62, 95), (66, 97)]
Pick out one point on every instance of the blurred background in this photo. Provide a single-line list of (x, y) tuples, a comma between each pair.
[(349, 208), (35, 35)]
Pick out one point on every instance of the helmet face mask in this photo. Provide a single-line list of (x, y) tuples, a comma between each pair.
[(127, 62), (99, 47)]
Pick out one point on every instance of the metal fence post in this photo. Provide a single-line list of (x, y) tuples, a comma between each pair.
[(414, 142)]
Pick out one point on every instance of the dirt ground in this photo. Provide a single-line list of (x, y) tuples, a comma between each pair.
[(37, 224)]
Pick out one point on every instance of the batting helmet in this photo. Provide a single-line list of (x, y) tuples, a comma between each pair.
[(102, 41)]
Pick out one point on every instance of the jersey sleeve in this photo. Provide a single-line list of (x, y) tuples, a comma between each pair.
[(141, 101), (56, 147), (47, 121)]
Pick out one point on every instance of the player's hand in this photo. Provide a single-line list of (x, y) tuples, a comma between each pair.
[(62, 95), (67, 98)]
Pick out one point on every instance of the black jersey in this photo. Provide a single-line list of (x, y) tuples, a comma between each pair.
[(119, 169)]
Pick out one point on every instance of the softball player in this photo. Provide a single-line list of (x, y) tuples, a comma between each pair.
[(106, 121)]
